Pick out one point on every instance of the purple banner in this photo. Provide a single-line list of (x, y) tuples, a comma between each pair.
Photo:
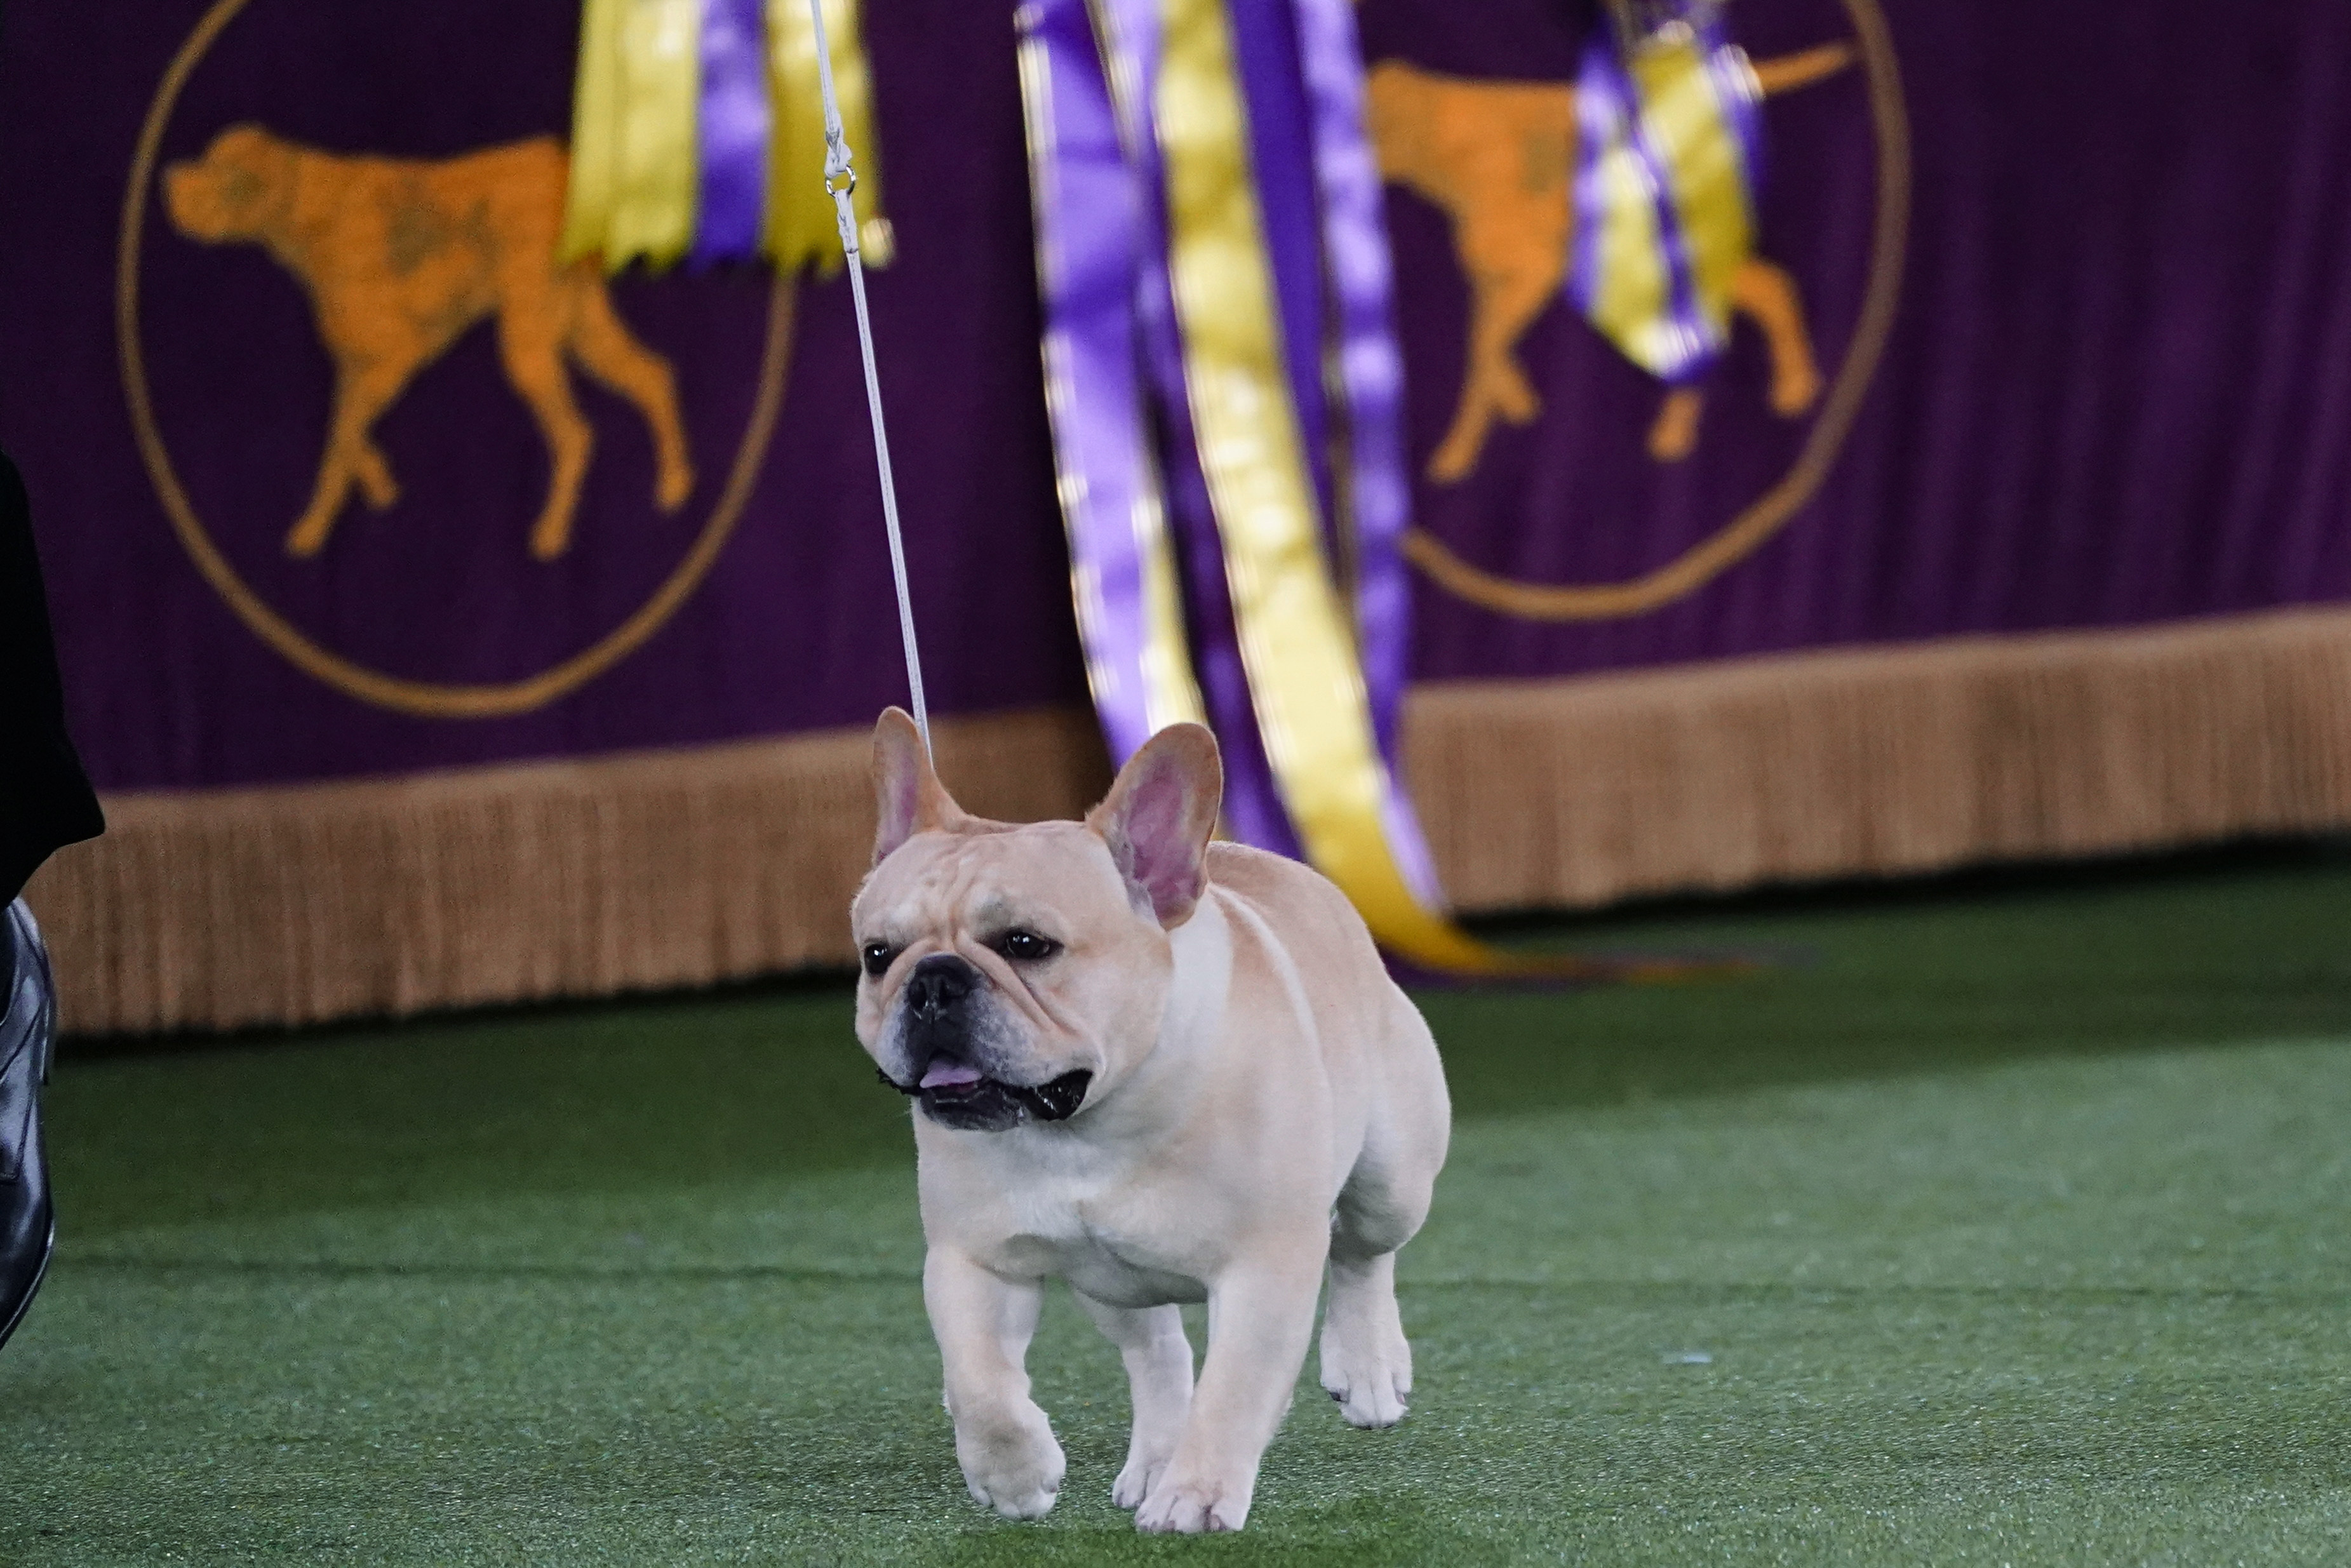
[(365, 109), (2108, 384), (2049, 325)]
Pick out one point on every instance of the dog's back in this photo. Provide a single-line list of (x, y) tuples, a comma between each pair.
[(1367, 1030), (443, 231), (1472, 147)]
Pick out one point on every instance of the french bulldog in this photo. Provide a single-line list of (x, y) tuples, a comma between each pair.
[(1161, 1068)]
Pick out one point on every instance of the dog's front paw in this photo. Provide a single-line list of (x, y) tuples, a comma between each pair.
[(1193, 1505), (1012, 1466)]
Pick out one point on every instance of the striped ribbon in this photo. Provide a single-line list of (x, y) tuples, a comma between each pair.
[(1163, 290), (1087, 203), (695, 126), (799, 215), (1668, 156), (1311, 708), (1129, 33), (1366, 372)]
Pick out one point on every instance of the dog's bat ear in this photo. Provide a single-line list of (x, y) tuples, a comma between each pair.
[(908, 797), (1157, 818)]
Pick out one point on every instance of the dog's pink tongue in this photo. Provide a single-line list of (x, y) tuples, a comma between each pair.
[(948, 1075)]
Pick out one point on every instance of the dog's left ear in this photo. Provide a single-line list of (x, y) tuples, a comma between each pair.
[(1157, 818), (908, 797)]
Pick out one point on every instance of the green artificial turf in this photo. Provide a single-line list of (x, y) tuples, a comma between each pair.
[(2002, 1221)]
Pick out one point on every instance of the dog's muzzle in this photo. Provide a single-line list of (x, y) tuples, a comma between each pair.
[(938, 989), (935, 1023)]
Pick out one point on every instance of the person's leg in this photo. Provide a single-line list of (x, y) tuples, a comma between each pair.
[(45, 802)]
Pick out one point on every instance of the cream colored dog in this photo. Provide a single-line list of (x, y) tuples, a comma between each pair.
[(1163, 1070)]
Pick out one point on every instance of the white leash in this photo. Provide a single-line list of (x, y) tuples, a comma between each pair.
[(837, 169)]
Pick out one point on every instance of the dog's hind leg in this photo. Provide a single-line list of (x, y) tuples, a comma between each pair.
[(1367, 1360), (606, 350), (373, 472), (1465, 439), (1512, 282), (361, 392), (309, 533), (1766, 292), (1158, 1360), (1672, 436), (534, 363)]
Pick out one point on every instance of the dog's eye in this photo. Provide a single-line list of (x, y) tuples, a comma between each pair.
[(1026, 946), (877, 956)]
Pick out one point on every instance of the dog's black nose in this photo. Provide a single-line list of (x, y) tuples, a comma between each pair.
[(939, 983)]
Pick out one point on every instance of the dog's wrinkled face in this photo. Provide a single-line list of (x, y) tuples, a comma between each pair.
[(231, 192), (1004, 970), (1019, 972)]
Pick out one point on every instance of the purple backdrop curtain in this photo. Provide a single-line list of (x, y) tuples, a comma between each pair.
[(2117, 387), (791, 630)]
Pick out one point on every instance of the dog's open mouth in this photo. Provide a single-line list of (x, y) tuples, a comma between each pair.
[(957, 1095)]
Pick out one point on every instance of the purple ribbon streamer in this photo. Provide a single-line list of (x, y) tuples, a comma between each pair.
[(1742, 102), (1362, 280), (1253, 808), (732, 131), (1600, 117), (1088, 226), (1284, 158)]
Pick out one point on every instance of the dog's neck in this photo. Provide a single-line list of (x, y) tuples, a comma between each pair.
[(1202, 951), (1153, 1090)]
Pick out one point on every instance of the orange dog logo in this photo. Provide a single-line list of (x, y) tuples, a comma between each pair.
[(1497, 156), (399, 258)]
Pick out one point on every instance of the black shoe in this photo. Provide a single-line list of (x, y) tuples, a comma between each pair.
[(28, 1024)]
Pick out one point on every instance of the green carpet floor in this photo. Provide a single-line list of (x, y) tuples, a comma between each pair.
[(2003, 1221)]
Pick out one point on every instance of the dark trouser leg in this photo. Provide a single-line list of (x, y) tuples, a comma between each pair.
[(28, 1027), (45, 801)]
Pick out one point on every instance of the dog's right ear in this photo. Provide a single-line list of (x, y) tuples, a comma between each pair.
[(1157, 818), (908, 797)]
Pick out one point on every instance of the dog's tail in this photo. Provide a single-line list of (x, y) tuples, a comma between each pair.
[(1786, 73)]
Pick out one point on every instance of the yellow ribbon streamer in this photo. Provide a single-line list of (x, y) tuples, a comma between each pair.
[(1295, 636), (1689, 125), (661, 100), (635, 183), (635, 172), (1632, 301), (1686, 121), (800, 228), (595, 139)]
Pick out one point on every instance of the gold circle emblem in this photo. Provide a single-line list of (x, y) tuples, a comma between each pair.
[(385, 690), (1763, 517)]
